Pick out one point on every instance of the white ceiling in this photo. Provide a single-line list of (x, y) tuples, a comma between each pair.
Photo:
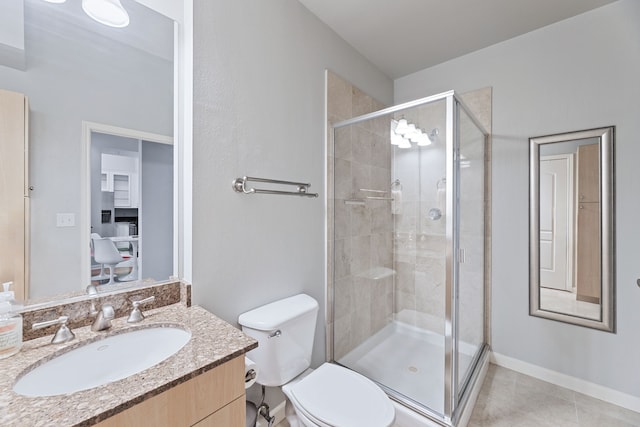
[(404, 36)]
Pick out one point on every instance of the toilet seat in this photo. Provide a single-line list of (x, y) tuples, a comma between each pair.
[(336, 396)]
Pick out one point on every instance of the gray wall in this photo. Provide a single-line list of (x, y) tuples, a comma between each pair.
[(68, 80), (577, 74), (259, 89)]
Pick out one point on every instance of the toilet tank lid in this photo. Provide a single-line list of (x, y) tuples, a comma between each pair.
[(273, 315)]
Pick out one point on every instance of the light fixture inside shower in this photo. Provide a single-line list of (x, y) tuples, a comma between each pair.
[(404, 133)]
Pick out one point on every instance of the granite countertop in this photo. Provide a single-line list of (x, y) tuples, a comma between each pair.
[(213, 342)]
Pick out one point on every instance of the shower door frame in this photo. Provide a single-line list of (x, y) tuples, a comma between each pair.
[(454, 399)]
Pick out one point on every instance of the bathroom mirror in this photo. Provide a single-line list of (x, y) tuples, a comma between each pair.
[(572, 228), (75, 71)]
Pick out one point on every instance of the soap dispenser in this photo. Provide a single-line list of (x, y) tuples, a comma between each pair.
[(10, 323)]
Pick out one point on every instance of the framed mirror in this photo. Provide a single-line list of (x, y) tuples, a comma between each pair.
[(572, 251), (76, 74)]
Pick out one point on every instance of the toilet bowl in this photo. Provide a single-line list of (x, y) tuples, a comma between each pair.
[(329, 396), (333, 396)]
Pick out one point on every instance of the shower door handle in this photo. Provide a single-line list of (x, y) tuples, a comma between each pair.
[(461, 256)]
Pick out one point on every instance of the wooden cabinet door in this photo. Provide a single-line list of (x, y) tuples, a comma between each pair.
[(189, 402), (588, 261), (14, 191), (232, 415), (589, 173)]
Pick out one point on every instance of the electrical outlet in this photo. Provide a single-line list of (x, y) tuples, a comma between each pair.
[(65, 220)]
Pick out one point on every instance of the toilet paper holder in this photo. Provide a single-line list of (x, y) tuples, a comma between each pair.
[(250, 372), (250, 375)]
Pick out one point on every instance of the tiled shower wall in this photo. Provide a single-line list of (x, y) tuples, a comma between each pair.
[(362, 233), (380, 272), (420, 242)]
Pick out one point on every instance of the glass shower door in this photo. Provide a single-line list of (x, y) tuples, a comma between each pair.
[(470, 288), (408, 252)]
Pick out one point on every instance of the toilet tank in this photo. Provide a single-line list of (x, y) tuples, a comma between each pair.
[(284, 330)]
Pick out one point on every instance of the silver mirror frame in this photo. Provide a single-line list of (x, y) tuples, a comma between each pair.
[(606, 137)]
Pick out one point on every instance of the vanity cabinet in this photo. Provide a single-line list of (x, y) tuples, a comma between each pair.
[(214, 398), (14, 191)]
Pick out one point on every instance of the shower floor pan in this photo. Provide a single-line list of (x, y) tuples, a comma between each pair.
[(406, 359)]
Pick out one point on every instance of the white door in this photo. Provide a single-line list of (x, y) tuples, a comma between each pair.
[(556, 224)]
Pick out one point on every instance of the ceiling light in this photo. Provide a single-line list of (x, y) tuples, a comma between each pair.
[(415, 136), (402, 126), (107, 12), (404, 133), (423, 140), (411, 129), (396, 139), (404, 143), (428, 138), (55, 1)]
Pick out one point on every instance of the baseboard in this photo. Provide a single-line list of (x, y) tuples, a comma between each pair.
[(572, 383)]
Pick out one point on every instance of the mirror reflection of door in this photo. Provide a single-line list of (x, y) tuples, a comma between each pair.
[(570, 228), (132, 208), (556, 202)]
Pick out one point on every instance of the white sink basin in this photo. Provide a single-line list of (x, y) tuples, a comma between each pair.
[(103, 361)]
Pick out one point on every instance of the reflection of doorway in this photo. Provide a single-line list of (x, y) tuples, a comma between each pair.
[(129, 196), (556, 221)]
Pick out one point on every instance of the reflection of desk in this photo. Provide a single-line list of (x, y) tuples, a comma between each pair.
[(135, 271)]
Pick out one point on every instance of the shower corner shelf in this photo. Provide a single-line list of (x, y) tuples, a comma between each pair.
[(377, 273)]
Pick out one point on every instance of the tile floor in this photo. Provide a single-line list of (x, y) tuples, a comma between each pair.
[(566, 302), (511, 399)]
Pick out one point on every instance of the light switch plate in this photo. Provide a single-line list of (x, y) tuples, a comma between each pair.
[(65, 220)]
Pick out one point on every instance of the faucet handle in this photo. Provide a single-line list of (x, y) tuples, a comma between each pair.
[(136, 314), (63, 334)]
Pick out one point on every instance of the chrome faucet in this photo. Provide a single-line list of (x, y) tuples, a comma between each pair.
[(103, 318), (63, 334)]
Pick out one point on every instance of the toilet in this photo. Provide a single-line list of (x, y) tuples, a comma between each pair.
[(329, 396)]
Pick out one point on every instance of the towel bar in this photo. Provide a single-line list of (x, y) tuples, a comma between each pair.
[(239, 185)]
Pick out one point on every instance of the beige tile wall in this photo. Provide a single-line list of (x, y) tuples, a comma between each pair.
[(420, 243), (361, 229), (369, 240)]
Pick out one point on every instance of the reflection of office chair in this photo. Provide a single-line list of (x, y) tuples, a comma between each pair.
[(105, 253), (100, 276)]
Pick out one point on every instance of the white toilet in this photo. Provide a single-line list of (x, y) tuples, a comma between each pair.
[(329, 396)]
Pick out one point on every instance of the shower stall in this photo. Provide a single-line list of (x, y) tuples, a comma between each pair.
[(407, 252)]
